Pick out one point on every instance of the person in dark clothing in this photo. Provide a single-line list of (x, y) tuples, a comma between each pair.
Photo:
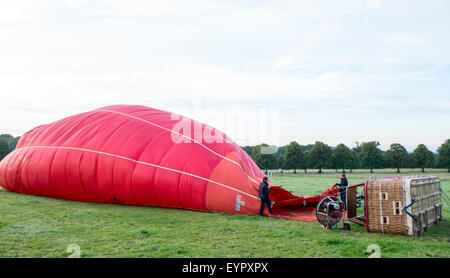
[(264, 190), (343, 189)]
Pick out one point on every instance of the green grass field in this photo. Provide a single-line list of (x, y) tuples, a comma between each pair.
[(32, 226)]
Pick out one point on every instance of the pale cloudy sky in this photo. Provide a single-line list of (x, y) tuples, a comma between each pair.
[(335, 71)]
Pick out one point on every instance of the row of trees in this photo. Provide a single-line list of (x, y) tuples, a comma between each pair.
[(367, 155)]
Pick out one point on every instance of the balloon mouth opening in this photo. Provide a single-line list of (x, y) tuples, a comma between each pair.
[(291, 206)]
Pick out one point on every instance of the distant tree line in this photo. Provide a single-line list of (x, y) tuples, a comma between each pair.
[(366, 155), (7, 144)]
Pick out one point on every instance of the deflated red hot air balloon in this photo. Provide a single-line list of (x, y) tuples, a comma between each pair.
[(143, 156)]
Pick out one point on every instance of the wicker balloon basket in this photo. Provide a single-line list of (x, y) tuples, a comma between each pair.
[(403, 205)]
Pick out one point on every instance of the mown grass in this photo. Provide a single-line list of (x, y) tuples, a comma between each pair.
[(32, 226)]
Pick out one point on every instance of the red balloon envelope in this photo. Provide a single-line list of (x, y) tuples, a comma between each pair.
[(138, 155)]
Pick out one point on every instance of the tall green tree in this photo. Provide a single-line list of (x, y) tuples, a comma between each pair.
[(422, 157), (357, 148), (355, 164), (264, 160), (294, 157), (306, 157), (342, 157), (320, 155), (4, 148), (281, 151), (282, 163), (371, 156), (396, 156), (355, 157), (306, 148), (11, 140), (307, 161), (248, 150), (444, 155)]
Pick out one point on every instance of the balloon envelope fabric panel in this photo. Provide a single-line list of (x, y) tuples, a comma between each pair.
[(137, 155)]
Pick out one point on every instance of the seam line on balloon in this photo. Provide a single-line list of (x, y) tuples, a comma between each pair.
[(142, 162), (140, 119)]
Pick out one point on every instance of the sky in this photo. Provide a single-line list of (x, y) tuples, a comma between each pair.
[(261, 71)]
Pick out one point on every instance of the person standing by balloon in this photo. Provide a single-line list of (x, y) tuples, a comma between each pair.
[(343, 189), (264, 189)]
